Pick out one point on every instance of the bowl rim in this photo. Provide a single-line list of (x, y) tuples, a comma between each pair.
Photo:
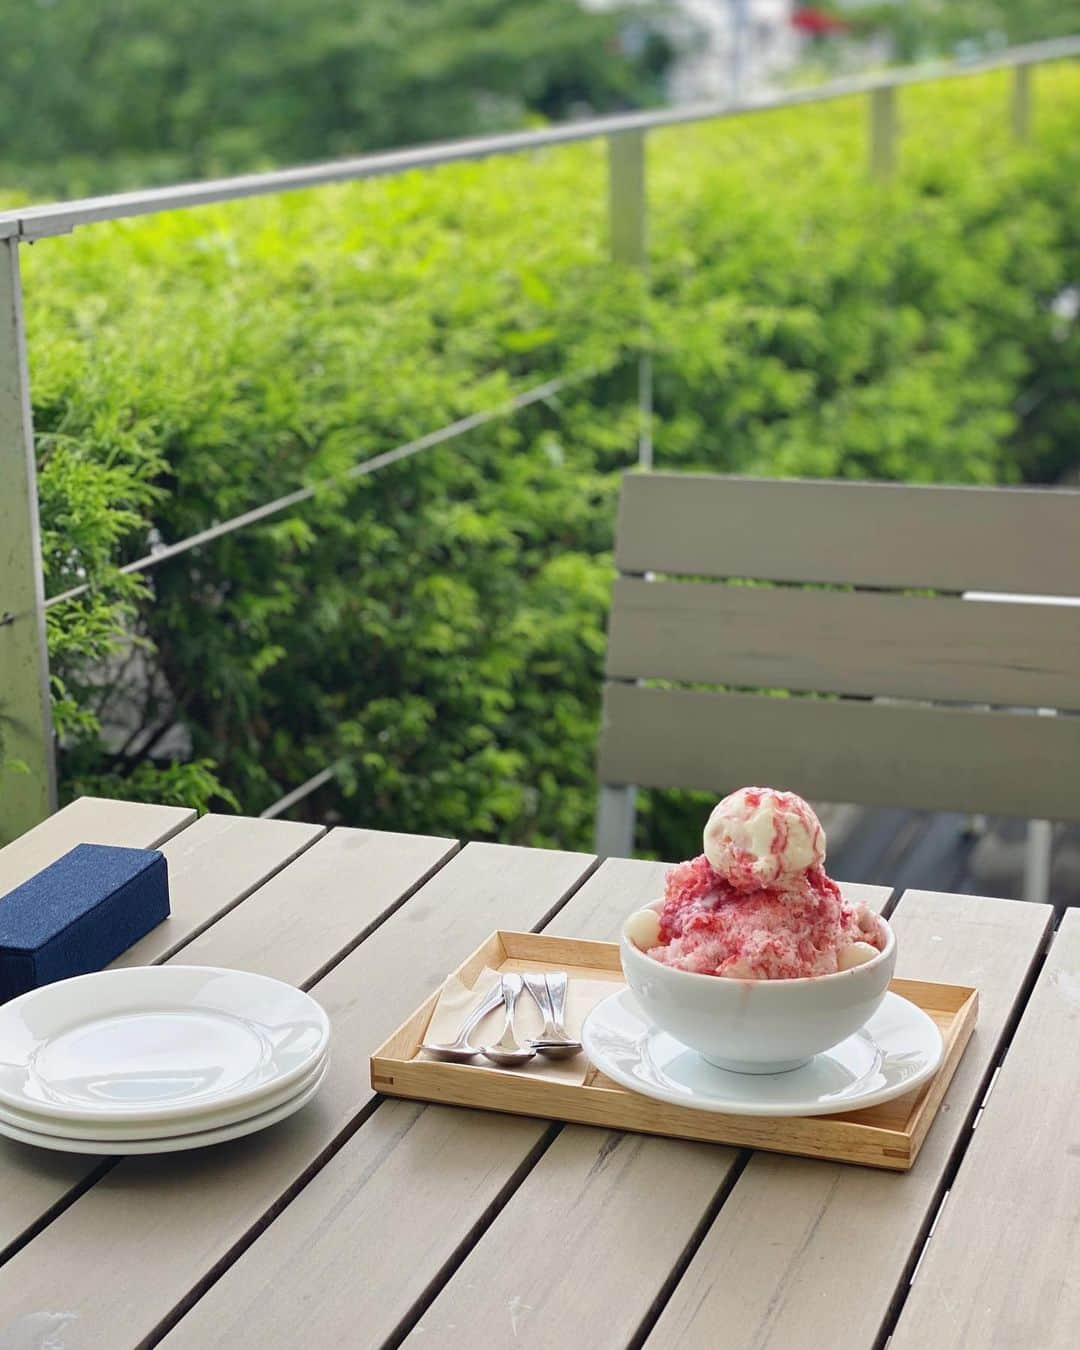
[(784, 982)]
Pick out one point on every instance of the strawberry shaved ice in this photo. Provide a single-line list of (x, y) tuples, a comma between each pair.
[(757, 904)]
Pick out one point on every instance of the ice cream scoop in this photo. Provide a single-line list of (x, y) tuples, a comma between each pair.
[(758, 903), (760, 837)]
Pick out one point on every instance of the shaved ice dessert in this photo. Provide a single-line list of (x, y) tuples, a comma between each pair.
[(757, 903)]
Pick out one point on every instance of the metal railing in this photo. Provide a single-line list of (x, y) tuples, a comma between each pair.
[(25, 720)]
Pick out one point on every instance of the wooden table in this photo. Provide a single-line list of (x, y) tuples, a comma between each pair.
[(367, 1222)]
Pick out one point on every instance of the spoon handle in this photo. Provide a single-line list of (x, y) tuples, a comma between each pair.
[(511, 990), (556, 983), (488, 1003), (537, 987)]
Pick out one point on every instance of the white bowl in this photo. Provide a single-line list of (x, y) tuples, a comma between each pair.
[(758, 1026)]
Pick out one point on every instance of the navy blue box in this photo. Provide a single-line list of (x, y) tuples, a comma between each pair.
[(79, 914)]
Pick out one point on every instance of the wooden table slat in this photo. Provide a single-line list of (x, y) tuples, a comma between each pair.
[(295, 1267), (35, 1181), (213, 865), (89, 820), (354, 1225), (318, 908), (604, 1216), (178, 1219), (1001, 1269), (459, 1162), (804, 1253)]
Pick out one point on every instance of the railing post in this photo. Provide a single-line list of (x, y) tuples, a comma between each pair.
[(27, 767), (627, 211), (882, 131), (628, 216), (1021, 102)]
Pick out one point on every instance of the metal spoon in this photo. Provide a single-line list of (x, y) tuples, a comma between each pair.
[(508, 1051), (459, 1050), (549, 992)]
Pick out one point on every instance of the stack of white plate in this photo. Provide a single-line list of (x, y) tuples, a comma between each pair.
[(157, 1058)]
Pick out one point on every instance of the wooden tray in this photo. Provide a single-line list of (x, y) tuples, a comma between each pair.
[(887, 1136)]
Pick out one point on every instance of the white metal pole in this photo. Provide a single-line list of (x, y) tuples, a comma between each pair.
[(883, 131), (27, 766), (1021, 102), (1038, 860), (627, 207), (1039, 850)]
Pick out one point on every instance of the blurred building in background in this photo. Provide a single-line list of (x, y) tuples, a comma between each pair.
[(723, 48), (732, 48), (744, 47)]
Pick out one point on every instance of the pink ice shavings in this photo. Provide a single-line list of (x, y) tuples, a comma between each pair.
[(709, 927)]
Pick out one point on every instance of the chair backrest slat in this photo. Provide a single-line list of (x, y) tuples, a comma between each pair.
[(838, 628), (1021, 540), (877, 754), (846, 642)]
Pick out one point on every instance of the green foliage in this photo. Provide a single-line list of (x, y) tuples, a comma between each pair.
[(830, 326), (124, 92), (436, 629), (223, 357)]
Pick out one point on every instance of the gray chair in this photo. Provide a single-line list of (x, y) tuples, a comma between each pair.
[(904, 690)]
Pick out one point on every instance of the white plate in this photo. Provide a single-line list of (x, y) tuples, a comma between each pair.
[(105, 1131), (156, 1043), (897, 1050), (167, 1143)]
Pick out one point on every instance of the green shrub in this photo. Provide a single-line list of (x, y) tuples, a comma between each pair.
[(120, 93), (436, 630)]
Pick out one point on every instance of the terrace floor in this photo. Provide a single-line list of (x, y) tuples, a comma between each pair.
[(921, 850)]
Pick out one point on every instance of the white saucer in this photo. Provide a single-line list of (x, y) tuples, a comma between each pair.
[(897, 1050), (156, 1043), (109, 1131), (167, 1143)]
